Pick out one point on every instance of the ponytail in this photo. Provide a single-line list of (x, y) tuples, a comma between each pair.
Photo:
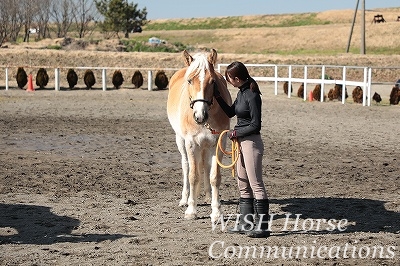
[(254, 86)]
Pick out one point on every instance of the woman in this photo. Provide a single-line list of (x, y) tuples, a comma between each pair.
[(253, 202)]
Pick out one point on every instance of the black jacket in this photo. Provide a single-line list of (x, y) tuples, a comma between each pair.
[(247, 108)]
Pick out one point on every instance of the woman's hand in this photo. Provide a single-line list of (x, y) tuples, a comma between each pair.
[(232, 134)]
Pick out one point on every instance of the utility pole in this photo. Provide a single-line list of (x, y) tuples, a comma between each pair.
[(362, 48), (352, 27)]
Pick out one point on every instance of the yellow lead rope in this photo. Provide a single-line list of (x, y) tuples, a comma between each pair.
[(234, 152)]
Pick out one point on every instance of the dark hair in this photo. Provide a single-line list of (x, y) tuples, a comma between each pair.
[(239, 70)]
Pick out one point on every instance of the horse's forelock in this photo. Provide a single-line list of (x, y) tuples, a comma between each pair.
[(198, 66)]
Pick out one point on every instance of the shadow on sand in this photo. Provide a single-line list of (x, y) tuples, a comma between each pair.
[(363, 215), (31, 224)]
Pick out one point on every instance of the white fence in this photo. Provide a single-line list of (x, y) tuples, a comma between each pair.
[(270, 73), (365, 83), (103, 74)]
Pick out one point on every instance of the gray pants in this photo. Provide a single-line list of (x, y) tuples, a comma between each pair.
[(249, 167)]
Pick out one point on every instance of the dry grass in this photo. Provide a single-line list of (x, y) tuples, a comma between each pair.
[(250, 45), (319, 39)]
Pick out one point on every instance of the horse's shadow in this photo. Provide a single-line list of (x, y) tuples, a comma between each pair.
[(32, 224), (362, 215)]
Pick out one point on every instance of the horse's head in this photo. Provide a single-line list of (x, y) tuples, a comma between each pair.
[(200, 79)]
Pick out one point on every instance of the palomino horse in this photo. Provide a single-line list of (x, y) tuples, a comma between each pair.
[(196, 118)]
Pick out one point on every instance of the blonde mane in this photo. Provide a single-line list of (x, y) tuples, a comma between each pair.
[(198, 66)]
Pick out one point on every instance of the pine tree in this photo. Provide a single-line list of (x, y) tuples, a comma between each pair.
[(121, 16)]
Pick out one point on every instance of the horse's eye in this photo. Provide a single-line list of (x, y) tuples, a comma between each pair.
[(189, 81)]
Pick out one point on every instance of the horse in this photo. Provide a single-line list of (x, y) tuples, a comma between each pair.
[(197, 118)]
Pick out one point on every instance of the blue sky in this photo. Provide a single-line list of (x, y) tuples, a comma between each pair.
[(166, 9)]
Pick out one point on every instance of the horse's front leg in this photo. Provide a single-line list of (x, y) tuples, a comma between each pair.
[(185, 170), (215, 181), (205, 171), (194, 185)]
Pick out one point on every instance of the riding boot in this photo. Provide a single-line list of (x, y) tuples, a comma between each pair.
[(261, 208), (245, 221)]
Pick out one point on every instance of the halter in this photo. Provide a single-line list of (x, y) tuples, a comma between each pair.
[(192, 102), (200, 100)]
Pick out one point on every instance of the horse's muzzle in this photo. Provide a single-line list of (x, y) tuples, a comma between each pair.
[(200, 119), (200, 114)]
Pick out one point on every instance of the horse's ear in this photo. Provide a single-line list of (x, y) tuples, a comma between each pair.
[(187, 58), (212, 57)]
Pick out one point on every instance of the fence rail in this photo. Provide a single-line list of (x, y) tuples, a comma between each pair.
[(306, 74), (365, 83), (57, 74)]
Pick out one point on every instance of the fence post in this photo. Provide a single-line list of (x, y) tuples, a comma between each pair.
[(344, 85), (305, 83), (57, 79), (365, 87), (276, 80), (369, 85), (6, 78), (322, 83), (290, 82), (150, 80), (104, 79)]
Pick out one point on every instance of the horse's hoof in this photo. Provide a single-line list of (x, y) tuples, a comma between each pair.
[(215, 216), (182, 203), (190, 216)]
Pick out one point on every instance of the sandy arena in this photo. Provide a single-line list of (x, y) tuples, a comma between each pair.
[(91, 177)]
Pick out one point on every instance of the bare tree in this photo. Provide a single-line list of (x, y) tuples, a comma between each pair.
[(11, 20), (28, 11), (85, 16), (5, 28), (61, 12), (23, 15), (43, 17)]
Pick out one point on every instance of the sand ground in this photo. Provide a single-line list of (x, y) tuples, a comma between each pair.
[(91, 177)]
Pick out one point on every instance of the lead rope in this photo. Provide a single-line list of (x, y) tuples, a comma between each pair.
[(234, 152)]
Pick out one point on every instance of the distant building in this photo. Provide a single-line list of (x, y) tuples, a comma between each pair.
[(33, 31)]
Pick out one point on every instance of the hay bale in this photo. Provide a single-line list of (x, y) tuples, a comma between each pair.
[(42, 78), (117, 79), (161, 80), (72, 78), (357, 95), (377, 97), (286, 87), (22, 77), (89, 79), (317, 93), (394, 97), (300, 91), (137, 79)]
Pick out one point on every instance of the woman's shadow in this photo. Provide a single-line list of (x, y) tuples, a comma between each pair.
[(32, 224), (362, 215)]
